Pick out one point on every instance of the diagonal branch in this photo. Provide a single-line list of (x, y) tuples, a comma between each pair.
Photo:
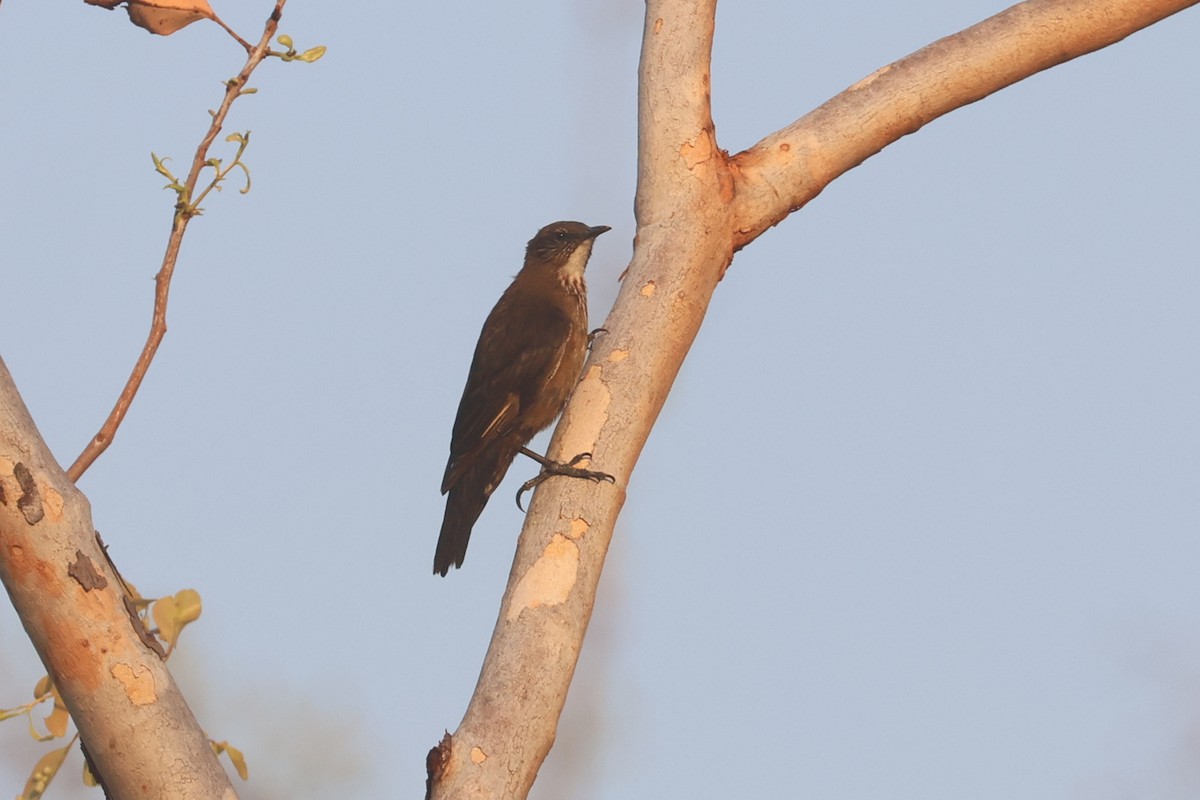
[(695, 207), (790, 167), (185, 210), (139, 733)]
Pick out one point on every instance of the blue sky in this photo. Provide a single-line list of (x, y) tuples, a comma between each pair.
[(919, 518)]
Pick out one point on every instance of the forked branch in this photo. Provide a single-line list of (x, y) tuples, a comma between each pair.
[(696, 206)]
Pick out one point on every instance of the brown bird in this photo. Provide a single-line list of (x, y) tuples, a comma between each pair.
[(528, 359)]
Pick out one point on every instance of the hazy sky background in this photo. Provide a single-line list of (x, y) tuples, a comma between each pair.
[(920, 518)]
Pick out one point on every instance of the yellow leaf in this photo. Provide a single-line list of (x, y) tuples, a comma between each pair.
[(164, 17), (171, 614), (56, 720), (188, 601), (44, 686), (239, 762), (133, 592), (235, 757), (43, 772)]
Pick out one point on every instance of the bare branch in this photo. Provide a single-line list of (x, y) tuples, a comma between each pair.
[(695, 206), (140, 733), (510, 723), (185, 210), (790, 167)]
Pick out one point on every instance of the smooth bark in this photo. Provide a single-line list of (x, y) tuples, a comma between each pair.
[(695, 207), (138, 729)]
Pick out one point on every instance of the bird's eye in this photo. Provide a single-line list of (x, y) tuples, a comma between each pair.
[(560, 235)]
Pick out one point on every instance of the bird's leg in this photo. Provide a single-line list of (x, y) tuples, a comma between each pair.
[(551, 467)]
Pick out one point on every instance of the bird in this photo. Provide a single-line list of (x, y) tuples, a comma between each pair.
[(528, 359)]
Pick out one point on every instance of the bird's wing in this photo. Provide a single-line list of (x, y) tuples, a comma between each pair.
[(510, 369)]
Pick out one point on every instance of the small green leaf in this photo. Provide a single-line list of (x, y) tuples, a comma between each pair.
[(312, 54), (246, 170), (285, 40), (160, 166)]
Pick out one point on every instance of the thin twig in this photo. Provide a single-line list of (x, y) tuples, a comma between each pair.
[(185, 209), (249, 47)]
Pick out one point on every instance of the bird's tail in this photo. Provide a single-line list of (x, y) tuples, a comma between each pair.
[(463, 507), (464, 504)]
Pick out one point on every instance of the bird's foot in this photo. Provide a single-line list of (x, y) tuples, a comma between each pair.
[(592, 336), (552, 468)]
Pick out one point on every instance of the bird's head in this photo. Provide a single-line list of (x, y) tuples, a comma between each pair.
[(564, 247)]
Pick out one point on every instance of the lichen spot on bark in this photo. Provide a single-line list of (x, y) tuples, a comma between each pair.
[(697, 151), (138, 683), (548, 582)]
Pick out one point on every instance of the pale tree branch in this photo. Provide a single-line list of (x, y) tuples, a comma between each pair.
[(695, 207), (791, 167), (682, 248), (136, 725)]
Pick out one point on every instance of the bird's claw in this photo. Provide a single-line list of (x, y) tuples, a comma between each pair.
[(568, 469), (525, 487)]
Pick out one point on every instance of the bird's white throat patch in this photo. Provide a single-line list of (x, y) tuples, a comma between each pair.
[(571, 273)]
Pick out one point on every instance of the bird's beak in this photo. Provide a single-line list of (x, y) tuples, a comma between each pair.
[(596, 231)]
